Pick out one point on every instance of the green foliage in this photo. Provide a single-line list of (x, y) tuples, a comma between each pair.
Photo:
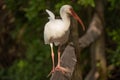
[(35, 66), (30, 16), (115, 56), (87, 3), (113, 32), (33, 9), (114, 4)]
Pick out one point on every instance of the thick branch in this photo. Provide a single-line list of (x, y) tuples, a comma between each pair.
[(93, 32), (98, 48)]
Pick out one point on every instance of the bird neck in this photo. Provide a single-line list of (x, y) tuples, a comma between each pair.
[(66, 19)]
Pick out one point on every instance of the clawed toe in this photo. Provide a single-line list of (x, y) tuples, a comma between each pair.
[(59, 68), (62, 69)]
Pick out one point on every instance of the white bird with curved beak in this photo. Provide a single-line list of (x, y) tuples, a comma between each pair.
[(57, 31)]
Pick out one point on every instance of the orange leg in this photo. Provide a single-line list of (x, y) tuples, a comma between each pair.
[(59, 67), (52, 55)]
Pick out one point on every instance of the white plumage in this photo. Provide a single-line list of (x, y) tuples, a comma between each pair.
[(51, 15), (55, 30)]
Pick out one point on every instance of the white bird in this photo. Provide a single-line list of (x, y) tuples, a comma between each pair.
[(57, 31)]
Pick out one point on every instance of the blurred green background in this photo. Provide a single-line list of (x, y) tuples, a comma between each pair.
[(24, 56)]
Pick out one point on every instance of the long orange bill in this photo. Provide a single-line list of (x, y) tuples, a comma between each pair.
[(77, 18)]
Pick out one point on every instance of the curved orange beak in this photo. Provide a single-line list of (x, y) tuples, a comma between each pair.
[(77, 18)]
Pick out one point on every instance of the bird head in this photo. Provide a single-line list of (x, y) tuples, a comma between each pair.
[(69, 10)]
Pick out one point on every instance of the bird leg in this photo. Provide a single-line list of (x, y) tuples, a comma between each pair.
[(59, 67), (52, 55)]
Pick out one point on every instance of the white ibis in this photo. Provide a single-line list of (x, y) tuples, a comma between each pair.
[(57, 31)]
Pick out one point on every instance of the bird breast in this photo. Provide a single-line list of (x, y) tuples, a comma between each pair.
[(55, 32)]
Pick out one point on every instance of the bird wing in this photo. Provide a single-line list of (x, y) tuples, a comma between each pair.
[(51, 15)]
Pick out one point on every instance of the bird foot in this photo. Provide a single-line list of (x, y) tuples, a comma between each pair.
[(52, 71), (62, 69), (59, 68)]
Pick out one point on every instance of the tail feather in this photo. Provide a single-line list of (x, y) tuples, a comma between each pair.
[(51, 15)]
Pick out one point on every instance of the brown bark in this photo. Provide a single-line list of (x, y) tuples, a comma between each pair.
[(98, 62), (77, 75)]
